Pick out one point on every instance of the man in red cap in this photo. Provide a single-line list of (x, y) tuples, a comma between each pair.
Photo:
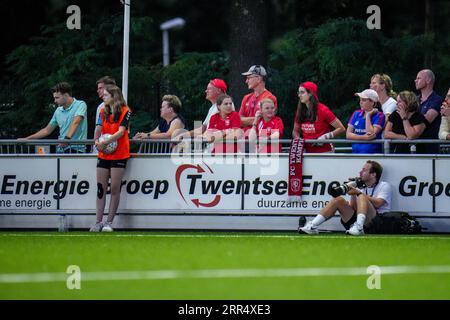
[(216, 87), (256, 81)]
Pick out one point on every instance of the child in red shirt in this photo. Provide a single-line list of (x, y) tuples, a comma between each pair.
[(224, 126), (267, 125)]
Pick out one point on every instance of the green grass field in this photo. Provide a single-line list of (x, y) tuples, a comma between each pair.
[(219, 265)]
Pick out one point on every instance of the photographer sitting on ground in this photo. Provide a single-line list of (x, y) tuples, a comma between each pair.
[(364, 205)]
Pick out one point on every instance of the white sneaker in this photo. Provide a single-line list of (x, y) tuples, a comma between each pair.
[(355, 230), (96, 227), (107, 227), (308, 229)]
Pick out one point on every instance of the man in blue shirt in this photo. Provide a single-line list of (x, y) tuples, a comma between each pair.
[(430, 106), (70, 117)]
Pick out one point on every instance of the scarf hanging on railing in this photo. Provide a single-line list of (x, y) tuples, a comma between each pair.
[(295, 173)]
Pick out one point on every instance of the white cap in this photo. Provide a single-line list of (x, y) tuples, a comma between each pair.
[(368, 94)]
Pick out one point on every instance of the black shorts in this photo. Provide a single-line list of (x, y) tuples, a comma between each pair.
[(108, 164), (349, 223), (352, 220)]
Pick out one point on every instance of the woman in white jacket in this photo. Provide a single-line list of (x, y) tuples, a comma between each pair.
[(444, 130)]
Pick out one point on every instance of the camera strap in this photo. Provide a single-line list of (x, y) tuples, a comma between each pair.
[(373, 190)]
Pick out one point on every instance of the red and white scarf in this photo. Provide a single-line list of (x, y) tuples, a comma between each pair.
[(295, 173)]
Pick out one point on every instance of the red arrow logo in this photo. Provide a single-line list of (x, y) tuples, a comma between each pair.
[(208, 205), (180, 171)]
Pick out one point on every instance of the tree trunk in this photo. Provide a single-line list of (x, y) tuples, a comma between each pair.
[(248, 41), (429, 32)]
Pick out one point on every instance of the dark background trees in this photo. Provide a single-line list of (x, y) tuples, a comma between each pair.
[(297, 41)]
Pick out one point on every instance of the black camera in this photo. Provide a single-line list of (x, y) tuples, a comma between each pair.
[(343, 189)]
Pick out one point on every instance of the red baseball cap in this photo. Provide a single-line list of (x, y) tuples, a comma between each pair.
[(220, 84), (311, 86)]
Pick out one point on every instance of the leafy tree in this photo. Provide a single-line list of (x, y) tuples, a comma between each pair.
[(341, 56), (78, 57)]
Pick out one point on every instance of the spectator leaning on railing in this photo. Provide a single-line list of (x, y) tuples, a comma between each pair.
[(382, 84), (101, 83), (406, 123), (444, 130), (214, 89), (71, 118), (367, 123), (170, 124), (267, 129), (314, 120), (224, 127), (430, 103)]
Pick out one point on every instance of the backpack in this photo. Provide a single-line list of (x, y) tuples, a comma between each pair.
[(394, 222)]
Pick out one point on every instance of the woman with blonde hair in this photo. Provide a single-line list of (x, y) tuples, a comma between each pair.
[(406, 123), (382, 84), (267, 128)]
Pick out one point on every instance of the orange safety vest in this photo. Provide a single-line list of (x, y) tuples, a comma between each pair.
[(123, 143)]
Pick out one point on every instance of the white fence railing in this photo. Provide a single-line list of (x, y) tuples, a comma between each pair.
[(47, 146)]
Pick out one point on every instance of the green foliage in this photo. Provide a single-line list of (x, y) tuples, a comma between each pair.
[(188, 77), (79, 57), (341, 56)]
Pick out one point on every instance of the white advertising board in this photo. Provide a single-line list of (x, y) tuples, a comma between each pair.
[(28, 185), (442, 186), (213, 185), (321, 174), (201, 185)]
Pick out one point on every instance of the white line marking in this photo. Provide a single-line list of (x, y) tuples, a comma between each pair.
[(218, 273), (291, 237)]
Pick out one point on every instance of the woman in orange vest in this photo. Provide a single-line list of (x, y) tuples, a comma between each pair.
[(114, 121)]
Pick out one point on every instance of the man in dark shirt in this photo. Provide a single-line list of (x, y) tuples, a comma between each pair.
[(430, 104)]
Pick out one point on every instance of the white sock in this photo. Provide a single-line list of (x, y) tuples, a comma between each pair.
[(360, 219), (318, 220)]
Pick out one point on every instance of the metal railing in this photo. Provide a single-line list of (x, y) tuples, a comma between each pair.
[(188, 145)]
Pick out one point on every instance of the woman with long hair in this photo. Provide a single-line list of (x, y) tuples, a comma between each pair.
[(444, 130), (224, 127), (406, 123), (382, 84), (111, 163), (314, 120)]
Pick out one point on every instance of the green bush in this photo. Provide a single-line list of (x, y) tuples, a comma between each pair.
[(341, 56)]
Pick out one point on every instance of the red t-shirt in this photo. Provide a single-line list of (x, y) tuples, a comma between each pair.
[(313, 130), (231, 121), (266, 129), (250, 104), (123, 143)]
